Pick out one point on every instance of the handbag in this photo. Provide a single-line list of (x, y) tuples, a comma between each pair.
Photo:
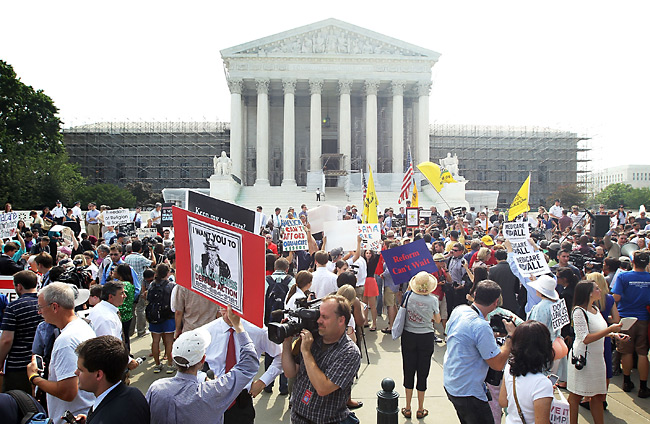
[(514, 392), (559, 409), (400, 318)]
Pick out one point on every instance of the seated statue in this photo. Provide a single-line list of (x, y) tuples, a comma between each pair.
[(222, 164)]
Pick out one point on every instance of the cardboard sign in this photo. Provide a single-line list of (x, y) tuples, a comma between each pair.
[(412, 217), (322, 214), (7, 287), (146, 232), (370, 237), (222, 263), (128, 229), (559, 315), (8, 224), (294, 236), (532, 264), (341, 234), (166, 219), (115, 217), (407, 260), (516, 230), (224, 212)]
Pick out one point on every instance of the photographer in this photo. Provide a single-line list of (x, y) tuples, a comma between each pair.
[(321, 396)]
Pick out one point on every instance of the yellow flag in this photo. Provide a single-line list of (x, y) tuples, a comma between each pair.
[(414, 199), (370, 203), (446, 177), (432, 173), (520, 204)]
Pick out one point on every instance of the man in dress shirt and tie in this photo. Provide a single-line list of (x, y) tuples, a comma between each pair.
[(223, 342)]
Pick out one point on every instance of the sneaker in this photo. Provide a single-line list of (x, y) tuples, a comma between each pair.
[(627, 387), (284, 392), (644, 393), (170, 369), (157, 369)]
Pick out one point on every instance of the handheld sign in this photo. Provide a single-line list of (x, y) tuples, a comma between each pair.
[(407, 260), (115, 217), (146, 232), (8, 224), (220, 262), (221, 211), (370, 237), (7, 287), (128, 229), (412, 217), (516, 230), (559, 315), (294, 236), (532, 264), (341, 234), (529, 262), (166, 219), (66, 233)]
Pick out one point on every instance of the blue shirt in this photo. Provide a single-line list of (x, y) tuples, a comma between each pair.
[(134, 275), (470, 341), (634, 289), (542, 312), (91, 216)]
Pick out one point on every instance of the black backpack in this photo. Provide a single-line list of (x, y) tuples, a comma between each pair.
[(159, 307), (276, 295), (29, 408)]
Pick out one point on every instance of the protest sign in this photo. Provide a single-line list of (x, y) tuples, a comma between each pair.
[(370, 237), (221, 262), (317, 217), (532, 264), (412, 217), (522, 247), (407, 260), (559, 315), (221, 211), (166, 219), (66, 233), (341, 234), (7, 287), (516, 230), (425, 213), (115, 217), (294, 236), (128, 229), (146, 232), (8, 224)]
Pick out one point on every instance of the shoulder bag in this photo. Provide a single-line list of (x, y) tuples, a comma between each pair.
[(400, 318)]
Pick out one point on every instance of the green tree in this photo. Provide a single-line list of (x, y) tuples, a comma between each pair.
[(144, 194), (34, 166), (106, 194), (569, 194), (637, 197)]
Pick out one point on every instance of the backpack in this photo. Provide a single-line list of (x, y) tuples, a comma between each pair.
[(29, 408), (276, 295), (159, 309)]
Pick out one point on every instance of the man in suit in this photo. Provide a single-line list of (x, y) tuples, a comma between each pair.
[(509, 283), (101, 365)]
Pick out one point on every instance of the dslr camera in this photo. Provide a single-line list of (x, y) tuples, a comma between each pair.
[(579, 361), (304, 317), (497, 324)]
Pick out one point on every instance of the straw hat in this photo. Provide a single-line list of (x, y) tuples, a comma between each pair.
[(546, 286), (438, 257), (423, 283)]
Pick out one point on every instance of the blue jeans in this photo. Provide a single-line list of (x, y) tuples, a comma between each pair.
[(284, 383), (380, 298)]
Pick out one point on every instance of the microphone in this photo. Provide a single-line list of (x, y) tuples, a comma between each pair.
[(141, 359)]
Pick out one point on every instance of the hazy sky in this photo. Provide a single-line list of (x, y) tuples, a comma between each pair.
[(582, 66)]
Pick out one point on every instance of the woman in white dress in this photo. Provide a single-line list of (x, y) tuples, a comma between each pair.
[(590, 329)]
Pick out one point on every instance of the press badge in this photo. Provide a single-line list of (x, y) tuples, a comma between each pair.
[(306, 397)]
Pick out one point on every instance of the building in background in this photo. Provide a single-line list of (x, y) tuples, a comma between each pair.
[(638, 176)]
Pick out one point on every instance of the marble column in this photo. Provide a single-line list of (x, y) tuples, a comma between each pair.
[(289, 134), (398, 126), (315, 129), (345, 124), (371, 124), (423, 122), (262, 143), (236, 139)]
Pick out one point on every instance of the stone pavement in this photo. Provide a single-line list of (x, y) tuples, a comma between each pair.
[(386, 361)]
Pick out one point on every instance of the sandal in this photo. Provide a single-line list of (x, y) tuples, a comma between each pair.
[(406, 412), (373, 328), (421, 414), (386, 331)]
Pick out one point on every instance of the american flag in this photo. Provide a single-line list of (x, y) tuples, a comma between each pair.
[(365, 186), (406, 182)]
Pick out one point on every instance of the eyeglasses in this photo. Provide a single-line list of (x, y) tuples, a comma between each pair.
[(456, 250), (40, 307), (115, 254)]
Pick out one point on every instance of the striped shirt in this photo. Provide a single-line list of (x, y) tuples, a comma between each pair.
[(21, 317)]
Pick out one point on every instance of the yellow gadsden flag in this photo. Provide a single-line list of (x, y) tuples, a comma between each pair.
[(432, 173), (414, 199), (370, 203), (446, 177), (520, 204)]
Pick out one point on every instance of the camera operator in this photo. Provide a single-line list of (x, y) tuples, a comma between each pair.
[(471, 351), (321, 396)]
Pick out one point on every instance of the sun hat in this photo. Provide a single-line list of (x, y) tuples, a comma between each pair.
[(546, 286), (189, 347), (487, 240), (438, 257), (423, 283)]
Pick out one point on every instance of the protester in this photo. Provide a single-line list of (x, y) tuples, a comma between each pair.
[(104, 317), (122, 273), (161, 317)]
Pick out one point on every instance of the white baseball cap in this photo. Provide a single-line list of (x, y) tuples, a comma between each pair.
[(190, 347), (546, 286)]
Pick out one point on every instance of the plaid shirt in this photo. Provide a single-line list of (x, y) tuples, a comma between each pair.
[(340, 363)]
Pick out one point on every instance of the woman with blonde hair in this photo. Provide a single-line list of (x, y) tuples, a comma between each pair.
[(482, 257)]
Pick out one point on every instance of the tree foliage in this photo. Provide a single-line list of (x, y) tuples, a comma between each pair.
[(144, 194), (569, 194), (34, 167), (623, 194), (106, 194)]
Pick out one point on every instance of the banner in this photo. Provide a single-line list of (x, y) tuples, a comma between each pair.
[(7, 287), (146, 232), (370, 237), (412, 217), (407, 260), (317, 217), (520, 204), (294, 236), (8, 224), (166, 219), (415, 197), (214, 260), (559, 315), (115, 217), (516, 230), (341, 234), (221, 211)]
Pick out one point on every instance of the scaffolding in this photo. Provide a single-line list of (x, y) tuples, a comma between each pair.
[(500, 158), (164, 154)]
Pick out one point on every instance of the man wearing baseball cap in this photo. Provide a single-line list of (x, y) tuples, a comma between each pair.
[(182, 398)]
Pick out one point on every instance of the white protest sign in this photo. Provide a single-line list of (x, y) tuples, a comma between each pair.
[(522, 247), (516, 230), (425, 213), (317, 217), (8, 224), (370, 237), (115, 217), (146, 232), (532, 264), (559, 315), (66, 233), (341, 234), (293, 235)]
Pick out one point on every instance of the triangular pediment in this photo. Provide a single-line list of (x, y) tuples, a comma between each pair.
[(329, 37)]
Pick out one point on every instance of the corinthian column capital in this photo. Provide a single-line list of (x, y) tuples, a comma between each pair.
[(262, 85), (372, 87), (316, 86), (235, 85), (345, 86), (289, 86)]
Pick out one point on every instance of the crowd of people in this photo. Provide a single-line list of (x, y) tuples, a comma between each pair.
[(80, 300)]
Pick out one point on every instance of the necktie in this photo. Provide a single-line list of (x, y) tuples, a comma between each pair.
[(231, 356)]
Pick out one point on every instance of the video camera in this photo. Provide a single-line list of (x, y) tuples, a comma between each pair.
[(78, 276), (305, 317)]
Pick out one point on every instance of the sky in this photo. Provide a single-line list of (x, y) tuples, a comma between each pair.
[(574, 65)]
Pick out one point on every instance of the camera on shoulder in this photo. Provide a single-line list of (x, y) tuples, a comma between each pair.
[(304, 317)]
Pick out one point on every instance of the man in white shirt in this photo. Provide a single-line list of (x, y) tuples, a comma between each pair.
[(103, 316), (324, 281), (555, 211), (59, 213), (263, 218), (76, 211)]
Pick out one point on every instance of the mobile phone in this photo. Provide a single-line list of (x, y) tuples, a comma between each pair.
[(40, 364), (69, 418), (554, 378)]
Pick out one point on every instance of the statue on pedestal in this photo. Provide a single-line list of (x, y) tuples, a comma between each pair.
[(222, 164), (450, 164)]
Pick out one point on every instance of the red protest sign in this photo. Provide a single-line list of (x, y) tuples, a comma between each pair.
[(214, 260), (7, 287)]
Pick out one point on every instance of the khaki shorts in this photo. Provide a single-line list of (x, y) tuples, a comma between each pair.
[(638, 341), (359, 291), (390, 298), (443, 307)]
